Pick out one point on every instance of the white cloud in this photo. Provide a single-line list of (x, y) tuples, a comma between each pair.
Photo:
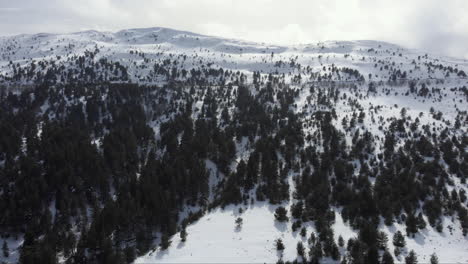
[(432, 25)]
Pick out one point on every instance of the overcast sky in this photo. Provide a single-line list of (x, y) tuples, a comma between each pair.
[(433, 25)]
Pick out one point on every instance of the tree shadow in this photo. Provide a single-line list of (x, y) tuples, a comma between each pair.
[(419, 239), (180, 245), (161, 253), (281, 226)]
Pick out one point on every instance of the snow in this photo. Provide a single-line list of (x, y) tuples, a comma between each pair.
[(450, 246), (215, 238), (14, 246), (158, 44)]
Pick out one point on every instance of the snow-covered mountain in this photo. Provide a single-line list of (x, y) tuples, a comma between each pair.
[(139, 50), (346, 120)]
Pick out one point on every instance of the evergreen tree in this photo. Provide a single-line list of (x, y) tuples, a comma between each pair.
[(335, 252), (434, 259), (340, 241), (279, 244), (183, 235), (165, 242), (411, 224), (387, 258), (316, 252), (239, 222), (281, 214), (382, 240), (129, 253), (372, 255), (411, 258), (300, 249), (6, 251), (421, 224), (399, 240)]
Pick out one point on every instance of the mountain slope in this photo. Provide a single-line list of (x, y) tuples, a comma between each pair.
[(116, 143), (139, 50)]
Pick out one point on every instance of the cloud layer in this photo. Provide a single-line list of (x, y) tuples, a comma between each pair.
[(432, 25)]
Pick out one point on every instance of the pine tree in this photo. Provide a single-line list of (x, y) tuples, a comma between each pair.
[(420, 221), (279, 244), (239, 222), (340, 241), (397, 251), (434, 259), (382, 240), (411, 258), (316, 251), (183, 235), (372, 255), (399, 240), (280, 261), (129, 253), (387, 258), (335, 252), (165, 242), (281, 214), (6, 251), (303, 232), (411, 224), (300, 249)]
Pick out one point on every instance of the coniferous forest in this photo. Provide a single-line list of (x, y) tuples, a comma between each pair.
[(85, 175), (97, 168)]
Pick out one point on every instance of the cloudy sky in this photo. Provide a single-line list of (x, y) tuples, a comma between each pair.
[(433, 25)]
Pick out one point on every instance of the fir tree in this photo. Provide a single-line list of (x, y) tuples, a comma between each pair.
[(300, 249), (340, 241), (399, 240), (279, 244), (387, 258), (303, 232), (183, 235), (420, 221), (281, 214), (165, 242), (5, 249), (239, 222), (129, 253), (411, 258), (382, 240)]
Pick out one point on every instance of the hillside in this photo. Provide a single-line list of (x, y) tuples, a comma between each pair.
[(150, 55), (116, 147)]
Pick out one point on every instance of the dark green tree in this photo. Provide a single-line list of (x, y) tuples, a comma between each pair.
[(387, 258), (5, 249), (279, 244), (281, 214), (411, 258)]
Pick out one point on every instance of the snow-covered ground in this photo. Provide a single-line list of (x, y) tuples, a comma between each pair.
[(216, 239), (14, 246), (140, 49)]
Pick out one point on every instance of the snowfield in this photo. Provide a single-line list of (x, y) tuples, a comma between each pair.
[(140, 49), (215, 239)]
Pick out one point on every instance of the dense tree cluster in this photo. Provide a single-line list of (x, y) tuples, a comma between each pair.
[(98, 173)]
